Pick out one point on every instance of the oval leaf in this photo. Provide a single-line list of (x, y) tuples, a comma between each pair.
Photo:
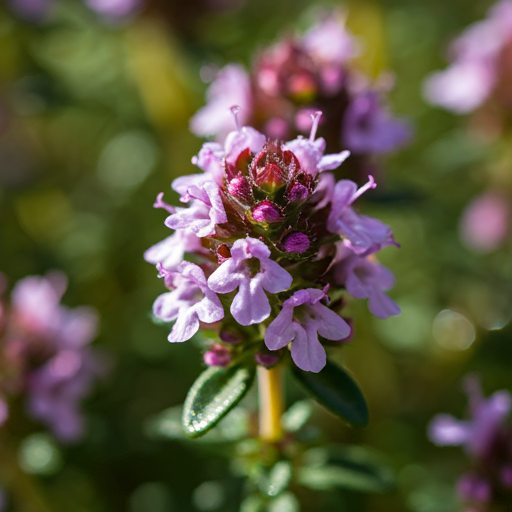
[(349, 467), (335, 389), (213, 395)]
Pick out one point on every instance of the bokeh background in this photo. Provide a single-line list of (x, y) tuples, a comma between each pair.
[(95, 100)]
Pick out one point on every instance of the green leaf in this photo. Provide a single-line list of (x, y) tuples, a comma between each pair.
[(253, 503), (286, 502), (335, 389), (277, 480), (296, 416), (350, 467), (213, 395), (168, 425)]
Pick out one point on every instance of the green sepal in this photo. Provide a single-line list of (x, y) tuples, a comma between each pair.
[(215, 392), (335, 389)]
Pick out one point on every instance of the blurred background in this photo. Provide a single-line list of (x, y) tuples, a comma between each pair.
[(95, 101)]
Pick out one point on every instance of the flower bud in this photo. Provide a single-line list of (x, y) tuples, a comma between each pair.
[(266, 359), (240, 188), (267, 211), (472, 487), (296, 242), (270, 178), (217, 356), (231, 337), (298, 193)]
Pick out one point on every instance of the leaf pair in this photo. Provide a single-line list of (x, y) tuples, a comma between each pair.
[(218, 390)]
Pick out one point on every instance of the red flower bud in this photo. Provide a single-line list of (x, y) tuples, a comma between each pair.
[(267, 211)]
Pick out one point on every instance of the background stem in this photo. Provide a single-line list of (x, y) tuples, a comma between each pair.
[(271, 401)]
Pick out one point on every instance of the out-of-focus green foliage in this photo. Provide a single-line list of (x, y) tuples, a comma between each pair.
[(93, 124)]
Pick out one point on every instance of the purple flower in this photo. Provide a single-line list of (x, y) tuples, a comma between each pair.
[(310, 155), (231, 87), (251, 270), (479, 433), (170, 251), (474, 72), (210, 160), (462, 87), (302, 326), (77, 327), (32, 10), (203, 215), (367, 128), (114, 9), (212, 156), (217, 355), (56, 389), (485, 222), (364, 235), (330, 43), (190, 302), (471, 488), (36, 303), (365, 279), (310, 152)]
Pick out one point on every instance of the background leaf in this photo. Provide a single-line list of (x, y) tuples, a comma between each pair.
[(350, 467), (335, 389)]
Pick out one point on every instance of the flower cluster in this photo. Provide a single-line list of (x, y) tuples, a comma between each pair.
[(268, 235), (480, 67), (45, 354), (479, 81), (297, 77), (487, 440)]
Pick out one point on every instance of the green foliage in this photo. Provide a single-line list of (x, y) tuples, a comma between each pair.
[(335, 389), (213, 395), (277, 479), (348, 467), (296, 416)]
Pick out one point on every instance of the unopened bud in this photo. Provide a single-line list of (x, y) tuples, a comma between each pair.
[(268, 212), (217, 356), (270, 178), (296, 242), (266, 359), (472, 487), (240, 188), (230, 337), (298, 193)]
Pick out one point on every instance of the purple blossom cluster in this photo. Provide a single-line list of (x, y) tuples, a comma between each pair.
[(481, 65), (298, 76), (267, 236), (36, 11), (479, 81), (487, 440), (45, 354)]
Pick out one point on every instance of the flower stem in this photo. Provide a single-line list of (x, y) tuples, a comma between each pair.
[(271, 399)]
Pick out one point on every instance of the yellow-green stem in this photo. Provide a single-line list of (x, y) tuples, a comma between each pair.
[(271, 399)]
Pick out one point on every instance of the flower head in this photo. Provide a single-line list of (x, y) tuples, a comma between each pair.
[(478, 434), (46, 354), (264, 220)]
